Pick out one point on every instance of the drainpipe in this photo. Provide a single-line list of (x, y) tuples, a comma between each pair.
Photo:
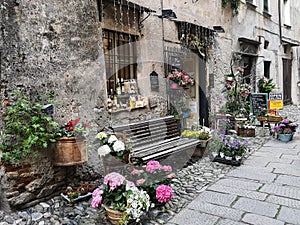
[(279, 21)]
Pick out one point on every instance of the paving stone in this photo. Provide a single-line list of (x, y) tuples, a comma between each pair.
[(285, 191), (229, 222), (269, 155), (283, 201), (216, 198), (217, 210), (288, 171), (296, 162), (239, 183), (293, 157), (255, 206), (279, 150), (193, 217), (257, 161), (253, 174), (289, 180), (238, 192), (277, 165), (289, 215), (260, 220)]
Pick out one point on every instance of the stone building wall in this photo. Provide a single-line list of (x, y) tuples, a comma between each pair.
[(52, 46)]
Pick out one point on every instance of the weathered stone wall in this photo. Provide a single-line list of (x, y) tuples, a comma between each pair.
[(53, 46)]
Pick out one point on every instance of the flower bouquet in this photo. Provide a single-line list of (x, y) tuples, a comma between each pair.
[(155, 179), (180, 78), (122, 200)]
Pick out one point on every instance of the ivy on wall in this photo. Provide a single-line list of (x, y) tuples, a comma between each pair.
[(235, 4)]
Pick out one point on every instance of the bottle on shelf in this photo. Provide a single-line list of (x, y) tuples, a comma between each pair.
[(118, 89)]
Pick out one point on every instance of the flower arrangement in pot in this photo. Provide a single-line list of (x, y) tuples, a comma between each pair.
[(122, 200), (181, 78), (111, 145), (265, 85), (70, 147), (155, 179), (230, 150), (285, 129)]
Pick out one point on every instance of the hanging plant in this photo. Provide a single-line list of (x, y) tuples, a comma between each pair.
[(235, 4)]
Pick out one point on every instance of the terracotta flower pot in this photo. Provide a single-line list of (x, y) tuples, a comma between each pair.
[(69, 151)]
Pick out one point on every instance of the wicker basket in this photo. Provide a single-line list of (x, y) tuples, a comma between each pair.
[(69, 152), (114, 216)]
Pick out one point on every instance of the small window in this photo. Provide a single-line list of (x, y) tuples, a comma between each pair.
[(286, 12), (267, 65), (266, 44), (120, 58), (266, 5)]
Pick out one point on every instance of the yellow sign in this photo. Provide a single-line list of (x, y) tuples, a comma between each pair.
[(276, 104)]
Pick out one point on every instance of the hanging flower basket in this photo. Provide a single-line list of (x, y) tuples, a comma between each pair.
[(68, 151)]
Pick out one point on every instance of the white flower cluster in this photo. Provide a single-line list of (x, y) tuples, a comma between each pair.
[(110, 143), (137, 204)]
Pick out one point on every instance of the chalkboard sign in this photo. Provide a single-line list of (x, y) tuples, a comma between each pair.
[(259, 103), (154, 81)]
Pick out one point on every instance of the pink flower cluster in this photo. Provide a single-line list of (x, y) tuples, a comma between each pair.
[(181, 78), (153, 165), (164, 193), (113, 180), (97, 198)]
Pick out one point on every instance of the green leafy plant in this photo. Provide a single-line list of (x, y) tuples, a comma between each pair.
[(265, 85), (27, 129)]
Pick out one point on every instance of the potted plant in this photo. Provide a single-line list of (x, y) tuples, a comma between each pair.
[(285, 130), (229, 150), (114, 150), (27, 129), (155, 179), (77, 191), (180, 78), (70, 146), (202, 134), (121, 199), (265, 85)]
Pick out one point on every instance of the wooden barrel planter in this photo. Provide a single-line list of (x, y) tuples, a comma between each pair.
[(68, 151)]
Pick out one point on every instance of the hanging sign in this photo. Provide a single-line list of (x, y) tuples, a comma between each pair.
[(154, 81)]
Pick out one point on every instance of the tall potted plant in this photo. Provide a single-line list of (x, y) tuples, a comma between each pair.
[(27, 129)]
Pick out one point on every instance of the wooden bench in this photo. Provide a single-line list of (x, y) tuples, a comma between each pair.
[(155, 139)]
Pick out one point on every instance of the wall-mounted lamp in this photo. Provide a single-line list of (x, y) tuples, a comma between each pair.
[(168, 14), (218, 29)]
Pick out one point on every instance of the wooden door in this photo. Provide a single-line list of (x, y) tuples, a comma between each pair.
[(287, 80)]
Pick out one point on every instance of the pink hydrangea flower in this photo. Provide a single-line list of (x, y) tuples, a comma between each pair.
[(135, 171), (166, 168), (97, 198), (114, 180), (164, 193), (152, 166), (140, 181)]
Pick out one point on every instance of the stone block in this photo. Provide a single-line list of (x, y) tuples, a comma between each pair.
[(288, 180), (257, 207), (217, 210), (260, 220), (239, 183), (284, 191), (253, 174), (238, 192), (229, 222), (291, 203), (288, 171), (289, 215), (193, 217), (216, 198)]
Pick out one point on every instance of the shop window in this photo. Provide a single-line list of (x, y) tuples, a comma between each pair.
[(120, 61)]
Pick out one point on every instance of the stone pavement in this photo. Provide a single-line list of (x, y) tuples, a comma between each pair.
[(265, 190)]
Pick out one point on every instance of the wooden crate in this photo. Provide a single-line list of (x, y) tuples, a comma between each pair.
[(246, 132)]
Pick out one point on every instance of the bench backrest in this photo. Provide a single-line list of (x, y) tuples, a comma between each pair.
[(151, 131)]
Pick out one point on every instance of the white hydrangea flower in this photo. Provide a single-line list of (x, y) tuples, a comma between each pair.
[(103, 150), (112, 139), (118, 146)]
